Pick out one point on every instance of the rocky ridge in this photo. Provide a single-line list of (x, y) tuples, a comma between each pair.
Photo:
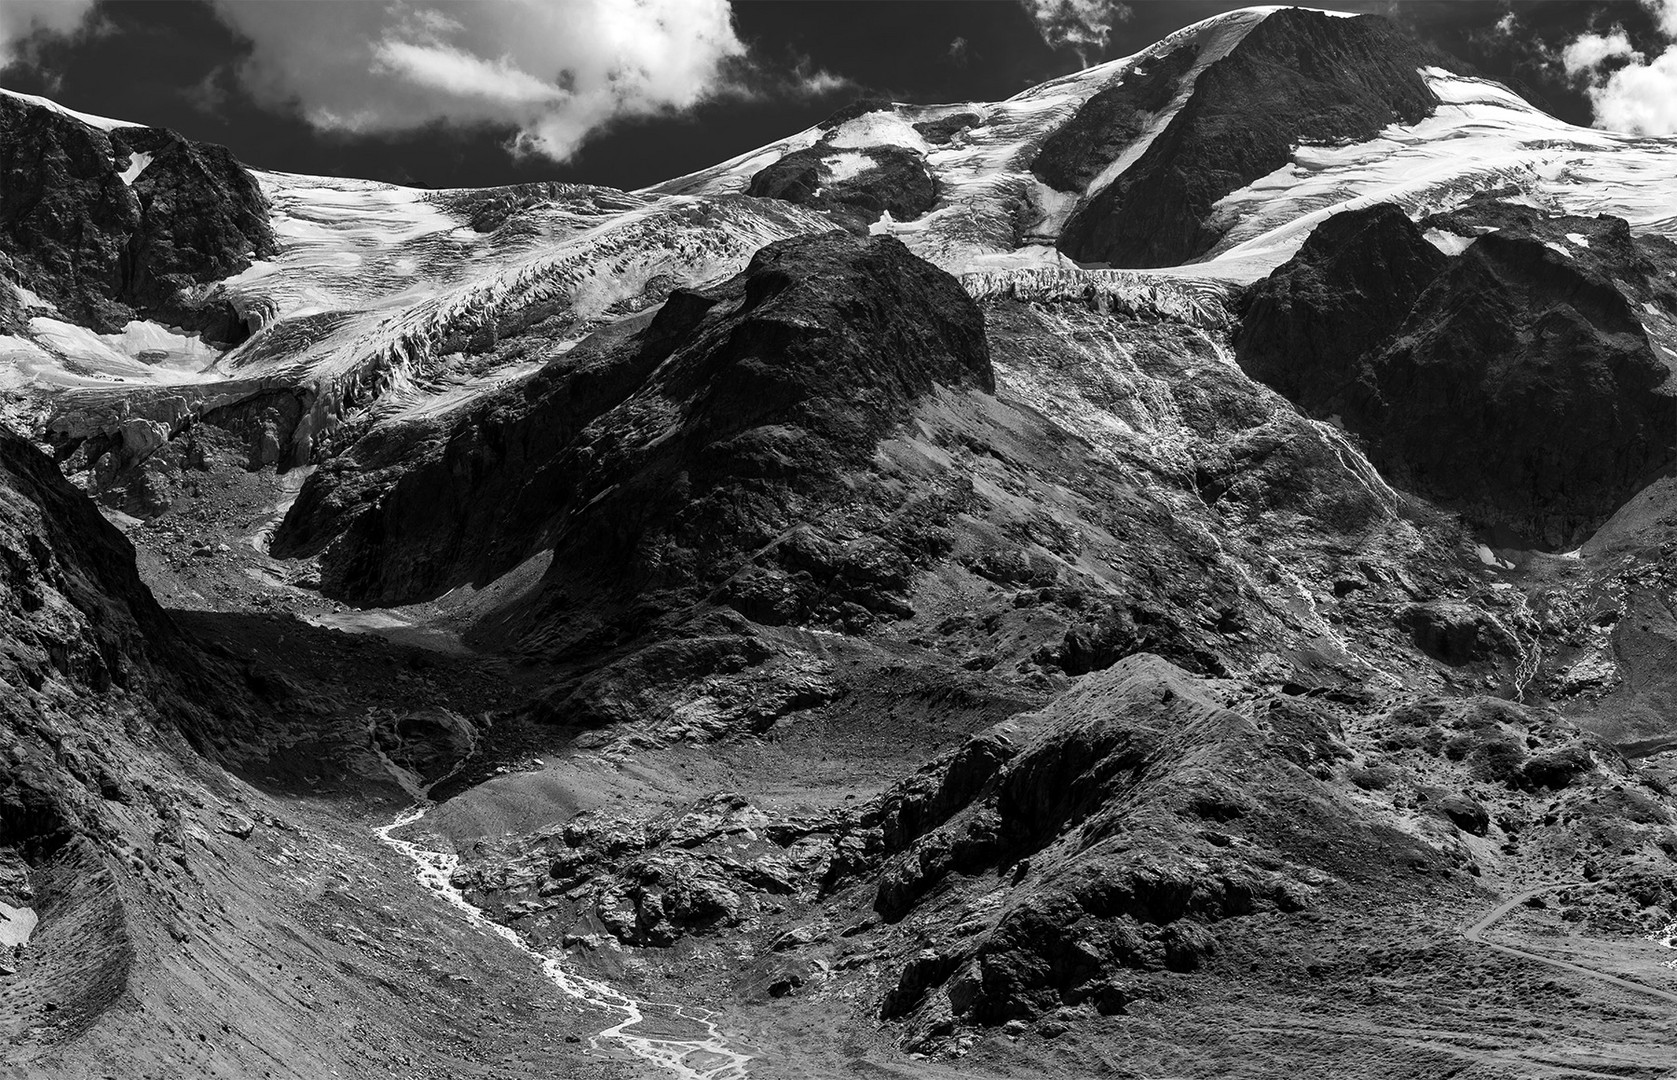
[(1047, 668), (1524, 380), (113, 225)]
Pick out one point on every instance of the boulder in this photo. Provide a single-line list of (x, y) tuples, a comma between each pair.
[(1464, 813)]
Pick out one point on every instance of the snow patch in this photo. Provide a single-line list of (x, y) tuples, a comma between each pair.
[(1490, 558), (1448, 242), (137, 162), (846, 166), (16, 925), (64, 354), (1578, 238), (883, 128)]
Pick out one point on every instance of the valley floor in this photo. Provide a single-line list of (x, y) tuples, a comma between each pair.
[(318, 935)]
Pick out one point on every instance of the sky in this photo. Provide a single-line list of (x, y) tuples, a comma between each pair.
[(451, 93)]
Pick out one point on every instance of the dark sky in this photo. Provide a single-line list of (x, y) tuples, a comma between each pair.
[(171, 63)]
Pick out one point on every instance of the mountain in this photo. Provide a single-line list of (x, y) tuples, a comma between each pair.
[(1170, 573)]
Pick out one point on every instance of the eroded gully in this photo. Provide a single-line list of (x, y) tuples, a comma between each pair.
[(673, 1037)]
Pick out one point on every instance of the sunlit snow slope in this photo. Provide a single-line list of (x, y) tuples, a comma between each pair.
[(1482, 137), (385, 301)]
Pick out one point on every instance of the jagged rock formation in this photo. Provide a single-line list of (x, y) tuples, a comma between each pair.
[(1079, 150), (1305, 328), (1517, 381), (1146, 837), (936, 642), (94, 680), (856, 186), (655, 458), (1299, 76), (107, 246)]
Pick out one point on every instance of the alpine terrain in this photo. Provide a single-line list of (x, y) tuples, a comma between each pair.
[(1170, 574)]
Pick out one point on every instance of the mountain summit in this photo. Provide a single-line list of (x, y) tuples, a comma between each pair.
[(1171, 573)]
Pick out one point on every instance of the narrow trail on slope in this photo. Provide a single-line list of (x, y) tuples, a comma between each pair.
[(687, 1042), (1476, 934)]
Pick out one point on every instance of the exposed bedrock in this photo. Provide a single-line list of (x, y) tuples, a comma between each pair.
[(106, 249), (1516, 383), (1345, 293), (854, 186), (1141, 825), (96, 687), (1298, 77), (1076, 152), (656, 453)]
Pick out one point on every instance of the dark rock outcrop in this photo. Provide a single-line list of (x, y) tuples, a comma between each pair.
[(1105, 125), (1298, 76), (1465, 814), (894, 180), (1099, 821), (1523, 389), (657, 456), (76, 607), (941, 131), (104, 250), (1307, 326), (1515, 383), (90, 667), (1455, 633)]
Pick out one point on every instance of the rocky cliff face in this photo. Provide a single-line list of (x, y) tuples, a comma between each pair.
[(1517, 381), (118, 224), (1106, 125), (1298, 77), (856, 186), (97, 688), (1306, 329), (1051, 668), (656, 457)]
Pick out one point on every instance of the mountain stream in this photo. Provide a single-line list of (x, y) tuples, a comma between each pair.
[(673, 1037)]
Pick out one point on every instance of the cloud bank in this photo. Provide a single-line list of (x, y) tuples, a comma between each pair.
[(24, 23), (554, 70), (1629, 91), (1587, 52)]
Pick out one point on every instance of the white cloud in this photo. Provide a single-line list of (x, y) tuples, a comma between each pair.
[(25, 21), (1083, 25), (556, 71), (1628, 91), (821, 81), (1665, 13), (1640, 98), (1587, 52), (450, 71)]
